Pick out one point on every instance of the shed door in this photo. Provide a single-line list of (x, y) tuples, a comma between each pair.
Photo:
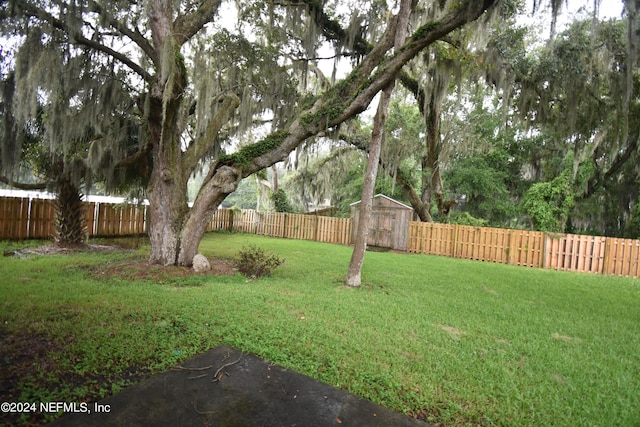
[(380, 226)]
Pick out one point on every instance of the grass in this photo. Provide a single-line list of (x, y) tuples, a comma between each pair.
[(457, 342)]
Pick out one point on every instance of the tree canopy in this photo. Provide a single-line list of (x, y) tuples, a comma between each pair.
[(99, 67), (546, 110), (170, 88)]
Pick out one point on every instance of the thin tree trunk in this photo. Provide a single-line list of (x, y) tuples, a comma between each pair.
[(432, 118), (274, 172), (354, 274), (362, 233)]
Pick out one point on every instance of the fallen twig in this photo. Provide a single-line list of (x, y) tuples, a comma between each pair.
[(217, 376), (182, 368), (196, 377)]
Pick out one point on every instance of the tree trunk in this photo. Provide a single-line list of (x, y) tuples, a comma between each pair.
[(432, 184), (167, 189), (362, 233), (214, 190), (175, 230), (420, 206), (354, 274), (70, 224), (167, 208)]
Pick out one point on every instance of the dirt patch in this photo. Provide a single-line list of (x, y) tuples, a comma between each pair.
[(573, 340), (132, 269), (140, 269), (22, 356), (64, 249), (455, 333)]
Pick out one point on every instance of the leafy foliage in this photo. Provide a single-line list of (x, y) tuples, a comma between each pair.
[(465, 218), (482, 181), (633, 230), (255, 262), (251, 151), (280, 201), (549, 203)]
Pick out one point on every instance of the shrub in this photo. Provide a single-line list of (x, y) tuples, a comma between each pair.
[(255, 262), (280, 201), (465, 218)]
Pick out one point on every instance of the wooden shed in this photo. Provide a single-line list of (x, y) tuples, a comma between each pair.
[(388, 225)]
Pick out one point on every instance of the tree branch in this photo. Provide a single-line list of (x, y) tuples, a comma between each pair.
[(332, 30), (76, 37), (341, 102), (134, 35), (228, 103), (353, 95), (186, 26), (401, 179), (23, 185), (135, 157), (618, 162)]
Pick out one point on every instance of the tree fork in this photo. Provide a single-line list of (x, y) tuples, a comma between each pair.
[(340, 103)]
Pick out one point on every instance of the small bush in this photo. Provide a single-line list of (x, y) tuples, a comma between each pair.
[(255, 262)]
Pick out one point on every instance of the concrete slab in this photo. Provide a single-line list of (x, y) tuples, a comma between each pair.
[(248, 391)]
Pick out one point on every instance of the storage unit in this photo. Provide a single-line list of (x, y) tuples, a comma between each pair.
[(388, 225)]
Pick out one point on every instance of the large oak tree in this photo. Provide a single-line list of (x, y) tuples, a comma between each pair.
[(141, 48)]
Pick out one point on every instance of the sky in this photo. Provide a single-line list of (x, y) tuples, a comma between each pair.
[(570, 9)]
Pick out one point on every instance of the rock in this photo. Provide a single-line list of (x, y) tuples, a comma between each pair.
[(201, 263)]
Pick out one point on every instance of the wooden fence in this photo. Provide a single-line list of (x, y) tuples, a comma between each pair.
[(105, 219), (23, 218), (569, 252), (517, 247), (622, 257), (287, 225)]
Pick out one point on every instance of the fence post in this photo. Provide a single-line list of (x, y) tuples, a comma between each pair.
[(511, 248), (456, 230), (231, 219), (284, 225), (607, 255)]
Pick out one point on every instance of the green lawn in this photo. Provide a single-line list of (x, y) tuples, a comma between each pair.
[(462, 342)]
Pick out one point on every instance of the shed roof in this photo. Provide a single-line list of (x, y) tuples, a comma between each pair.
[(400, 204)]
